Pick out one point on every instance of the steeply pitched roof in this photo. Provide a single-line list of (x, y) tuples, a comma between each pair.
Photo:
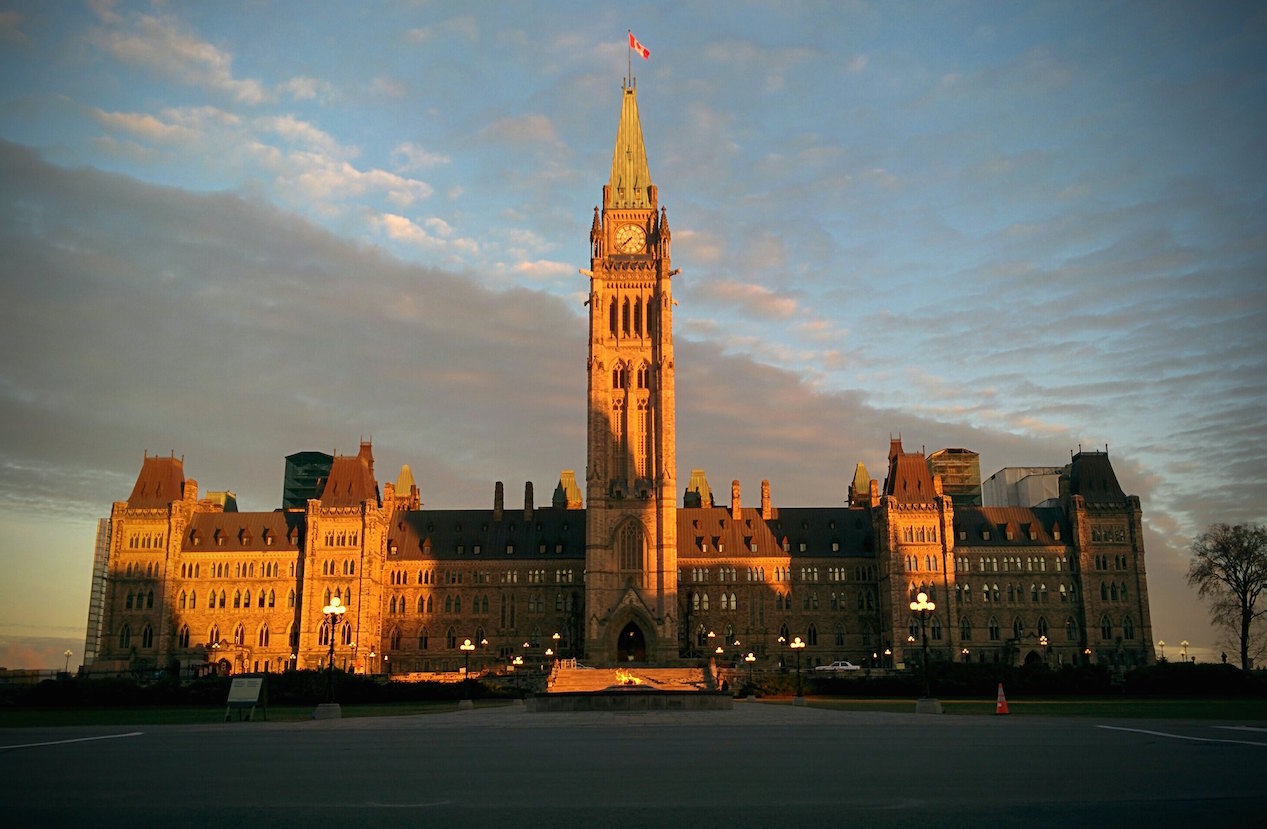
[(704, 531), (438, 534), (1030, 526), (630, 177), (351, 481), (1091, 476), (162, 480), (237, 532), (909, 480)]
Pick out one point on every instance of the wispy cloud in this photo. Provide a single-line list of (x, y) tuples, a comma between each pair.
[(160, 45)]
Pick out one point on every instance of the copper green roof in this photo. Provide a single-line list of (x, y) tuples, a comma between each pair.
[(630, 179)]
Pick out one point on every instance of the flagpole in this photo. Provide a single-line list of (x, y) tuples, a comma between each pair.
[(629, 59)]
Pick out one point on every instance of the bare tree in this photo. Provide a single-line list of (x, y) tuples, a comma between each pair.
[(1229, 568)]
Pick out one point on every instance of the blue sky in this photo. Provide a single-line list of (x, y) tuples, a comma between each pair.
[(236, 231)]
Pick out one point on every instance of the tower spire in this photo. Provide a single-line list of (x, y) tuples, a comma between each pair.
[(630, 182)]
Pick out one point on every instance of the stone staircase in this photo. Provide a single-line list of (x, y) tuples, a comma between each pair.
[(580, 679)]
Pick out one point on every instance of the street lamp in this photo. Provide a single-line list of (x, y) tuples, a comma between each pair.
[(1183, 651), (888, 658), (965, 654), (68, 655), (923, 607), (1161, 646), (1042, 641), (750, 659), (372, 665), (294, 661), (797, 645), (556, 637), (466, 647), (334, 612)]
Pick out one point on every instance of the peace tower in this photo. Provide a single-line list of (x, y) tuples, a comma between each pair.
[(630, 520)]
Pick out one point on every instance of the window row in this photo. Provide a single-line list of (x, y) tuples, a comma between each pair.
[(342, 538), (236, 570), (146, 541), (913, 535), (930, 563), (629, 315), (1113, 592), (1109, 533), (1120, 562)]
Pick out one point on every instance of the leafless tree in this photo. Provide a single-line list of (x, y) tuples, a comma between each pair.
[(1229, 569)]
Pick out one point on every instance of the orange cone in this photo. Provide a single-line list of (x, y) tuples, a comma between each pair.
[(1000, 705)]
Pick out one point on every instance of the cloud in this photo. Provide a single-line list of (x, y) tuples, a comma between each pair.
[(532, 128), (303, 88), (158, 44), (11, 27), (410, 157), (544, 268), (755, 300)]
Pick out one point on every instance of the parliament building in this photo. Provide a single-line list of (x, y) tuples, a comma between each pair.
[(633, 568)]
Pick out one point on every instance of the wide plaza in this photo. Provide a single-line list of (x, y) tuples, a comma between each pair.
[(760, 764)]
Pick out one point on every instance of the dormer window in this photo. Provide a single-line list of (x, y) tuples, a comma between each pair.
[(1055, 532)]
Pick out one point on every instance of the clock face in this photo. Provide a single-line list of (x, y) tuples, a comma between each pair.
[(630, 239)]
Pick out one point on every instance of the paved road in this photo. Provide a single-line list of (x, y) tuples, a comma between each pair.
[(758, 765)]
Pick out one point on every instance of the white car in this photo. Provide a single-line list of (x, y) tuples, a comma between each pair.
[(840, 665)]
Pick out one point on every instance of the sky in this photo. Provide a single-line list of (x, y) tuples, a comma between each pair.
[(234, 231)]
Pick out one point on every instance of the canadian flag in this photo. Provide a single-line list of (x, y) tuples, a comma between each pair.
[(638, 47)]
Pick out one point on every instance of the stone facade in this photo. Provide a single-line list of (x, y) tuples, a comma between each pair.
[(626, 575)]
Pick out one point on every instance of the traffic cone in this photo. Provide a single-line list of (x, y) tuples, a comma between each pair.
[(1000, 705)]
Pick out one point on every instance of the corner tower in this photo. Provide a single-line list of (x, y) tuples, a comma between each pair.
[(631, 517)]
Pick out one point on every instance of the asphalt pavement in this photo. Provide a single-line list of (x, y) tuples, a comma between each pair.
[(759, 764)]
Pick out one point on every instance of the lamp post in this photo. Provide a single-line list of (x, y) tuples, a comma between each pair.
[(1161, 646), (1042, 641), (294, 661), (965, 654), (888, 658), (372, 665), (922, 606), (558, 654), (334, 612), (797, 645), (750, 659), (68, 655), (1183, 651), (782, 641), (466, 647)]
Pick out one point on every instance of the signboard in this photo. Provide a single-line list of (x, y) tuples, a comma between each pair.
[(245, 694)]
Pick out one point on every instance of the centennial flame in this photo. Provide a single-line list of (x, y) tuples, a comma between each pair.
[(624, 678)]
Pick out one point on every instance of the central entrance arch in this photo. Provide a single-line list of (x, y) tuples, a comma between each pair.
[(631, 646)]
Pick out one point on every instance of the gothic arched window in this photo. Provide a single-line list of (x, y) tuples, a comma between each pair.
[(629, 547)]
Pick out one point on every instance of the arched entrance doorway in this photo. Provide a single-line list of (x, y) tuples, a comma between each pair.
[(1032, 658), (632, 644)]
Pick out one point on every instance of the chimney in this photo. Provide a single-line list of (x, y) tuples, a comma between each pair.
[(498, 502), (528, 501), (734, 500), (767, 512)]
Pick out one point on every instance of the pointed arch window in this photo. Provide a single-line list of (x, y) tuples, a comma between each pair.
[(1128, 628), (637, 317), (422, 639), (182, 638), (994, 629), (213, 635), (239, 635), (394, 641), (965, 629), (125, 636), (629, 547), (1106, 627), (624, 317), (811, 635), (450, 638), (147, 636), (1071, 629), (262, 637)]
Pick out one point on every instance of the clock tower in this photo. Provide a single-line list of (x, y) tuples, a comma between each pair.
[(631, 490)]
